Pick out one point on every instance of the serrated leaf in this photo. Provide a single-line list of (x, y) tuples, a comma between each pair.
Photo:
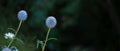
[(19, 40), (40, 43), (37, 43), (11, 29), (52, 39)]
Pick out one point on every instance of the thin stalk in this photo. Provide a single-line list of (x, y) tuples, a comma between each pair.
[(43, 48), (15, 34)]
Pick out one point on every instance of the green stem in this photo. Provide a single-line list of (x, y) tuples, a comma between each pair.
[(15, 34), (43, 48)]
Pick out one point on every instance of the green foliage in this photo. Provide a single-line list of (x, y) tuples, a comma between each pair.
[(41, 43), (80, 22)]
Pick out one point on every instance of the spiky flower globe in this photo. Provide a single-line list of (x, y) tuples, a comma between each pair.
[(51, 22), (22, 15), (6, 49)]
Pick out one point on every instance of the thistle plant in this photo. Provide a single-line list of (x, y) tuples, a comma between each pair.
[(22, 16), (50, 23)]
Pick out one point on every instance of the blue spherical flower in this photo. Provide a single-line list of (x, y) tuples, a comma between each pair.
[(6, 49), (22, 15), (51, 22)]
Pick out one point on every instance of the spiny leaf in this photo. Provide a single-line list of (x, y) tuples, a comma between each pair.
[(11, 29), (37, 43), (40, 43), (52, 39), (19, 40)]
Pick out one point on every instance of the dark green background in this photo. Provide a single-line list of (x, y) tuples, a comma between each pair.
[(82, 25)]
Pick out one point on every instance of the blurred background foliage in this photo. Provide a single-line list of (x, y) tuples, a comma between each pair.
[(83, 25)]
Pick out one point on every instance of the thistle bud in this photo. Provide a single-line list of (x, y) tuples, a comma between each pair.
[(22, 15), (51, 22)]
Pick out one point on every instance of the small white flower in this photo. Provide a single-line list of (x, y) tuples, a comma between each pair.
[(51, 22), (22, 15), (9, 35)]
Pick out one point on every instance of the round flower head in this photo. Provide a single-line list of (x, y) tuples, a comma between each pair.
[(9, 35), (51, 22), (13, 48), (22, 15), (6, 49)]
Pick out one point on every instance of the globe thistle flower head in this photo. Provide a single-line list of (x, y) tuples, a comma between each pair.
[(51, 22), (13, 48), (6, 49), (22, 15), (9, 35)]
